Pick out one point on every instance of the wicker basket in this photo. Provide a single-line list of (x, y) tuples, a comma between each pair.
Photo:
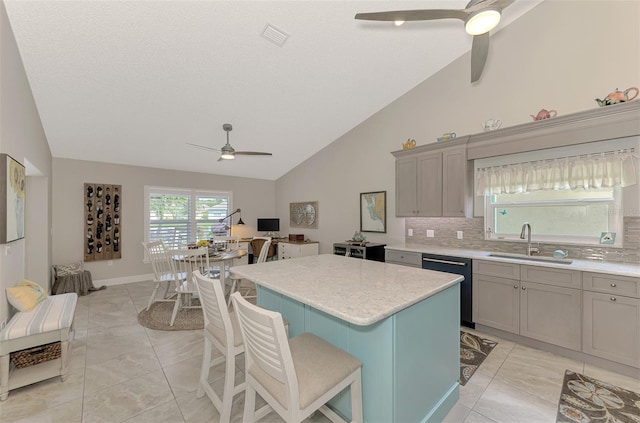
[(36, 355)]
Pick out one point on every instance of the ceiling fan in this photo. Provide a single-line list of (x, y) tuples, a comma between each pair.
[(228, 152), (480, 16)]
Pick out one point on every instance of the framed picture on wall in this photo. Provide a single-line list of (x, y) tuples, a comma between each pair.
[(303, 215), (373, 211), (12, 187)]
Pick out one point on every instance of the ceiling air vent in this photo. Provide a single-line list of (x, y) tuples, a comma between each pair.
[(274, 35)]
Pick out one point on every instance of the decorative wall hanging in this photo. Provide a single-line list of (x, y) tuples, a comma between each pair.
[(373, 211), (303, 215), (102, 219), (12, 191)]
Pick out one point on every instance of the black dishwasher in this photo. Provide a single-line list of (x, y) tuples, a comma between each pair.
[(458, 266)]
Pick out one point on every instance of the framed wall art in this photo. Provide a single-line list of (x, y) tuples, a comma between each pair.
[(102, 222), (12, 192), (373, 211), (303, 215)]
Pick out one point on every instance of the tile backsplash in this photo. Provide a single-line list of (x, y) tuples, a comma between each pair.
[(445, 231)]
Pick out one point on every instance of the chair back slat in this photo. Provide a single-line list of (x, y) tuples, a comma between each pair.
[(265, 341), (230, 243), (188, 260)]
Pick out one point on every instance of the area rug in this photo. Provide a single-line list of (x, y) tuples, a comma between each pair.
[(584, 399), (473, 351), (159, 316)]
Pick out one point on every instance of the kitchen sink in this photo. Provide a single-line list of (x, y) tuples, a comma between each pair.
[(531, 258)]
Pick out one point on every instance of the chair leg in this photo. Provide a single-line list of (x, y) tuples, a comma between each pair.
[(175, 309), (153, 295), (356, 399), (229, 380), (206, 368), (234, 288), (249, 404)]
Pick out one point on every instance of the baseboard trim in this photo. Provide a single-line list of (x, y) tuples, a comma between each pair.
[(574, 355), (123, 280)]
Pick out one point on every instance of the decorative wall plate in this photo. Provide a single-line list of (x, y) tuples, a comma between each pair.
[(303, 215)]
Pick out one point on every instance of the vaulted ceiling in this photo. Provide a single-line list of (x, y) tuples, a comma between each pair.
[(131, 82)]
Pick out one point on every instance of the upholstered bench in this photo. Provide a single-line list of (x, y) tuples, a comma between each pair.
[(50, 321)]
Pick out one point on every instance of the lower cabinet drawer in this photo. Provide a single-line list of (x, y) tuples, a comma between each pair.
[(407, 258), (618, 285)]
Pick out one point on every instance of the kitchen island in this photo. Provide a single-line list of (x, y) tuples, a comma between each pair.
[(401, 323)]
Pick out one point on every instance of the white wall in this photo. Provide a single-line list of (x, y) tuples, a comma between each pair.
[(256, 198), (561, 56), (23, 138)]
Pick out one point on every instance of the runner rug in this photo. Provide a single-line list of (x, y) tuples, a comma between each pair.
[(584, 399), (473, 351)]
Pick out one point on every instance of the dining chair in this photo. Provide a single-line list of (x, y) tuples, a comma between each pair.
[(294, 376), (185, 262), (265, 245), (227, 243), (163, 271), (257, 242)]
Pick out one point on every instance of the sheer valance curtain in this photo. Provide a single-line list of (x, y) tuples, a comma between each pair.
[(590, 171)]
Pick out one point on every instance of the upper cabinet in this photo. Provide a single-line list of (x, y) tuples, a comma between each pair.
[(437, 179), (433, 181)]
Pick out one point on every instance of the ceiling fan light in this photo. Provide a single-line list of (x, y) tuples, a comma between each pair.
[(398, 23), (482, 21), (226, 155)]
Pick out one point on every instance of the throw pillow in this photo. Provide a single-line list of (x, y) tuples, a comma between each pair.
[(26, 295), (42, 294), (68, 269)]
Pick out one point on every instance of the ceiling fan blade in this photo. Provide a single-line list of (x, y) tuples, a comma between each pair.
[(413, 15), (502, 4), (252, 153), (202, 147), (479, 53)]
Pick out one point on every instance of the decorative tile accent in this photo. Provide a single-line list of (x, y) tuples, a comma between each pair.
[(446, 229)]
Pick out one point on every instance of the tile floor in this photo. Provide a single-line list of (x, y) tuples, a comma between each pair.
[(123, 372)]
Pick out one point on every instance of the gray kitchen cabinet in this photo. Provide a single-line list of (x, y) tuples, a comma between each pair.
[(433, 181), (537, 302), (551, 314), (419, 185), (496, 302), (611, 327), (405, 258), (454, 182)]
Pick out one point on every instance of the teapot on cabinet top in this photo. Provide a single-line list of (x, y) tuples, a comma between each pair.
[(544, 114), (618, 97)]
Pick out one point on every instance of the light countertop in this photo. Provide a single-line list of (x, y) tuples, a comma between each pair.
[(357, 291), (612, 268)]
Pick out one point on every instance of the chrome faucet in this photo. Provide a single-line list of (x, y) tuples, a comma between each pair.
[(530, 250)]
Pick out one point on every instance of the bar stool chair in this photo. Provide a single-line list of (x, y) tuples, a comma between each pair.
[(222, 332), (297, 376)]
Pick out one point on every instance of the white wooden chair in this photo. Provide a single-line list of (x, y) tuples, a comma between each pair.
[(163, 271), (185, 261), (222, 332), (265, 244), (227, 243), (297, 376)]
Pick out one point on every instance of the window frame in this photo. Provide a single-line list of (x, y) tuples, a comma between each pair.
[(193, 195), (615, 220)]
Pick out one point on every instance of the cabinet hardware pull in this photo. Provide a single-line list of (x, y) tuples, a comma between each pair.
[(613, 285), (515, 286), (612, 298), (524, 288), (455, 263)]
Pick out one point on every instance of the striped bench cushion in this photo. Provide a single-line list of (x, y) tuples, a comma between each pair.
[(54, 313)]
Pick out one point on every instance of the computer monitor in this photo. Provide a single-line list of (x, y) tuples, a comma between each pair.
[(268, 224)]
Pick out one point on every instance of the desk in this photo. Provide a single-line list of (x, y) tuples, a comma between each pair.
[(402, 323)]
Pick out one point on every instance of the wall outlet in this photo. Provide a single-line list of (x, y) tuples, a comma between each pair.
[(410, 232), (459, 235), (430, 233)]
